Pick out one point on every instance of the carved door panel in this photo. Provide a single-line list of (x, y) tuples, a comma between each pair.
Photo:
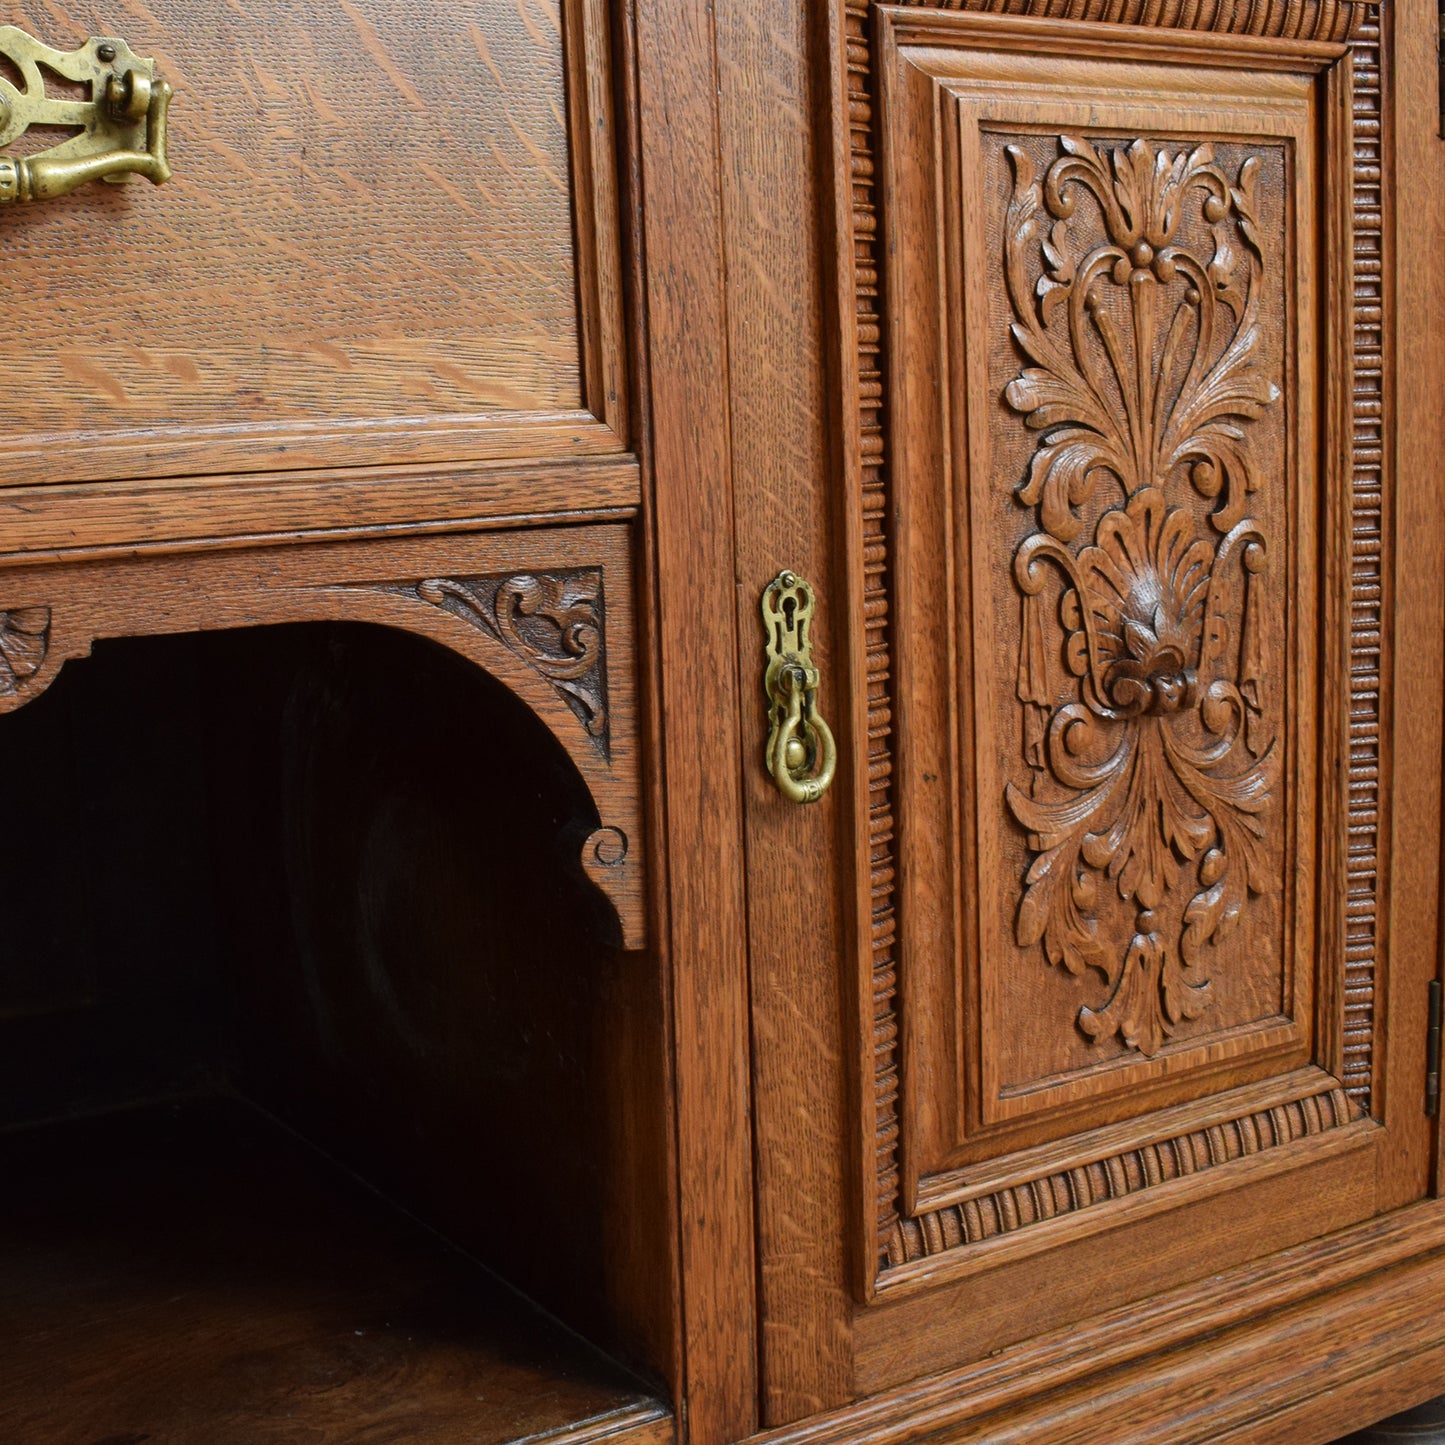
[(1116, 396)]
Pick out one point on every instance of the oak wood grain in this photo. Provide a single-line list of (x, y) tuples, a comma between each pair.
[(1411, 434), (1343, 695), (384, 239), (45, 522), (1033, 1042), (1152, 1339), (785, 515), (1063, 38), (687, 340), (939, 472), (696, 646)]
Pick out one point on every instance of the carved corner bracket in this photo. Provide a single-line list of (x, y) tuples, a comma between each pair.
[(553, 621), (24, 647)]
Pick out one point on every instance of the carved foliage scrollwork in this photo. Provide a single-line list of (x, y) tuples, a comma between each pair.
[(554, 621), (1154, 763), (24, 642)]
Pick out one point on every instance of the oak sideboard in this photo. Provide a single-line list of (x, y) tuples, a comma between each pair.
[(722, 721)]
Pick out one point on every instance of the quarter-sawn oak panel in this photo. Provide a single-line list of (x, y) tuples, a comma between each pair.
[(1127, 416), (391, 236)]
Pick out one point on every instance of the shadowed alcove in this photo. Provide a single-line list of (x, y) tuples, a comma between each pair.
[(308, 1006)]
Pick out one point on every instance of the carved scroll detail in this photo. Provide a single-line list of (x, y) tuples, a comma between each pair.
[(24, 642), (552, 620), (1156, 763)]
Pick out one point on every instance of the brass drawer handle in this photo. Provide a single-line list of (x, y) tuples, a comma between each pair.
[(801, 755), (123, 123)]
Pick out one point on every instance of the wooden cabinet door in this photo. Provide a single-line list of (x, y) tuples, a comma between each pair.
[(1118, 308), (1134, 420), (1143, 679)]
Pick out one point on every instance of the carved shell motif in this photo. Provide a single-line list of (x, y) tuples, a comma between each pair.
[(1143, 378)]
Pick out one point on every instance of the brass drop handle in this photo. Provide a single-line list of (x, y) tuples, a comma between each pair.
[(122, 126), (801, 754)]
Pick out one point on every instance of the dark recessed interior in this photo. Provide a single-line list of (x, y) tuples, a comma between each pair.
[(300, 967)]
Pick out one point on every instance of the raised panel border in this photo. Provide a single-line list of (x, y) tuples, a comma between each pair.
[(886, 1250), (979, 84)]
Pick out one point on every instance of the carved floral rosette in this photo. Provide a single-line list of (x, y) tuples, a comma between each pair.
[(1150, 768)]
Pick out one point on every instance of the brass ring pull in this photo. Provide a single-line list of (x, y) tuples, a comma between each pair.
[(801, 753), (802, 766), (121, 128)]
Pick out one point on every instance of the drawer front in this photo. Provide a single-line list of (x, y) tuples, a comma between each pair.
[(390, 239)]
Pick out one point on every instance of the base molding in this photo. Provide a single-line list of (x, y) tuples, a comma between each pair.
[(1356, 1314)]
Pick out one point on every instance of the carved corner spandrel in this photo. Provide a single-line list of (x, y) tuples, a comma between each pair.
[(24, 644), (36, 641), (553, 621)]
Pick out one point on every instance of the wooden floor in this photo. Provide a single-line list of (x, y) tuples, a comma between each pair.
[(193, 1273)]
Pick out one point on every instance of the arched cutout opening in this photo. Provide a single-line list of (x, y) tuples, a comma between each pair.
[(323, 880)]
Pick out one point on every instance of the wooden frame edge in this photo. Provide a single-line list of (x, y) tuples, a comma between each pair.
[(1191, 1364), (693, 637)]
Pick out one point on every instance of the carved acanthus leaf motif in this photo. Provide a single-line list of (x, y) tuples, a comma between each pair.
[(553, 620), (24, 641), (1144, 378)]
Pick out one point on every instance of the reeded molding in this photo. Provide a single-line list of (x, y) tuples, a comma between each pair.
[(990, 1214), (1328, 20)]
